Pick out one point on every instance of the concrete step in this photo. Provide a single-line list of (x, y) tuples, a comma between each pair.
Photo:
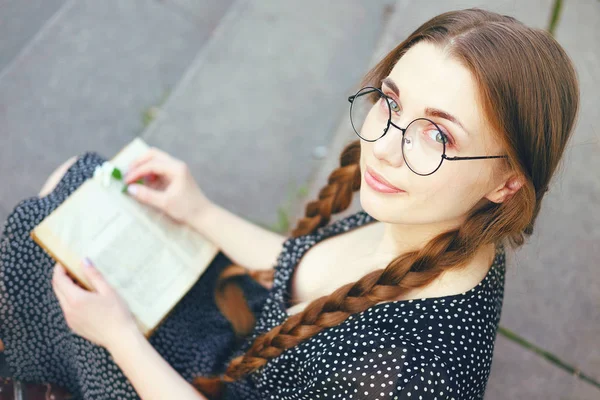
[(86, 81), (553, 287), (21, 21), (520, 374)]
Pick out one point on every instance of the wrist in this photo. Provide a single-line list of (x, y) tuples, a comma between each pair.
[(198, 220), (125, 341)]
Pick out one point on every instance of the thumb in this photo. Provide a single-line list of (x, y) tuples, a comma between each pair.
[(94, 276)]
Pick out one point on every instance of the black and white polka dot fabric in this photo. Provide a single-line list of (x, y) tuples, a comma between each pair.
[(430, 348), (195, 338)]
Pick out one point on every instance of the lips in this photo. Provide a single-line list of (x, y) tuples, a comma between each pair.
[(381, 179)]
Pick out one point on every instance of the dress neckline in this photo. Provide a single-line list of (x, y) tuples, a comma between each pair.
[(359, 219)]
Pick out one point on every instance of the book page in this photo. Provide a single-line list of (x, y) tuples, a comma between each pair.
[(149, 259), (183, 239)]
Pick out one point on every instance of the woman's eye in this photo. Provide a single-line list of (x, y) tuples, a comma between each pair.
[(440, 136), (393, 105)]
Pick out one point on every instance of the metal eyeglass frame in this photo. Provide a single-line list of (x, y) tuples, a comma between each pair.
[(442, 158)]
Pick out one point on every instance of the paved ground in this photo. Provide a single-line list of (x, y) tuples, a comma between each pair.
[(253, 93)]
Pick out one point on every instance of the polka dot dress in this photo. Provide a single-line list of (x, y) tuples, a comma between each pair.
[(40, 347), (430, 348)]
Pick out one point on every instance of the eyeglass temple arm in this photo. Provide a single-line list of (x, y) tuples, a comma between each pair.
[(470, 158), (351, 98)]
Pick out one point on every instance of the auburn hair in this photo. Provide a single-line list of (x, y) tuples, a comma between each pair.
[(529, 93)]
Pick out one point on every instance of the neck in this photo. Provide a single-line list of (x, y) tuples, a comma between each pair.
[(396, 239)]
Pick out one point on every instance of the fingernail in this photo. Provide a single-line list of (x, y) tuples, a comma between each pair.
[(132, 189), (87, 262)]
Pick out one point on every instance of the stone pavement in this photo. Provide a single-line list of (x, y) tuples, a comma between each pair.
[(84, 80), (254, 93)]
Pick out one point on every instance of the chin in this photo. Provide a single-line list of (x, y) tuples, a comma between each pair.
[(378, 206)]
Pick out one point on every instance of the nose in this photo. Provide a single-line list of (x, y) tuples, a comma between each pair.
[(389, 147)]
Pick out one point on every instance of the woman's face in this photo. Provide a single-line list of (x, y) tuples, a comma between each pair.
[(426, 78)]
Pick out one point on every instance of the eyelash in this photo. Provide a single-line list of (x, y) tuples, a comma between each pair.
[(444, 131)]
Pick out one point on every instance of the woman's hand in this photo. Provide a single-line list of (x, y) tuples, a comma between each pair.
[(101, 316), (170, 186)]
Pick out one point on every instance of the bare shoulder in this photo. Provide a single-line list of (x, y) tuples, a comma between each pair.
[(456, 281)]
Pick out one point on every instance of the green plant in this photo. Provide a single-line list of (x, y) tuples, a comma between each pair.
[(555, 17), (282, 225), (150, 114)]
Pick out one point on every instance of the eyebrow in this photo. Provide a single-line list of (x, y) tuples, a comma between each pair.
[(429, 111)]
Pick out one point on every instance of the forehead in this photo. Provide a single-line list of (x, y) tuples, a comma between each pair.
[(427, 77)]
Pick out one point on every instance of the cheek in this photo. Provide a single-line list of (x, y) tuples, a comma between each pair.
[(447, 194), (465, 178), (466, 186)]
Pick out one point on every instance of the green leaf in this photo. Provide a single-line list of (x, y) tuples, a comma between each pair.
[(116, 173)]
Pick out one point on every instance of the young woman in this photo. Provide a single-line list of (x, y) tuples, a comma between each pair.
[(460, 129)]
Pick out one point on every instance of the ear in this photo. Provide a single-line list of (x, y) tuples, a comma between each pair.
[(506, 190)]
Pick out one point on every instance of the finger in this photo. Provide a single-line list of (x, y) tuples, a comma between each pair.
[(71, 291), (152, 196), (149, 154), (56, 285), (157, 166), (59, 274), (95, 277)]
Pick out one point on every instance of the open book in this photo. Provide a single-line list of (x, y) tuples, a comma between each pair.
[(151, 260)]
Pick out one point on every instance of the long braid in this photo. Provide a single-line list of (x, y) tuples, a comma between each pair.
[(336, 196)]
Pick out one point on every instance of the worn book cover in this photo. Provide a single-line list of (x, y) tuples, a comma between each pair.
[(151, 260)]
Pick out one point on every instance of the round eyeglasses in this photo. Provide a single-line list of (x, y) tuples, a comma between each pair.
[(424, 143)]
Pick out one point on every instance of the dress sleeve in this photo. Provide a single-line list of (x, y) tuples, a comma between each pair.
[(382, 374)]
